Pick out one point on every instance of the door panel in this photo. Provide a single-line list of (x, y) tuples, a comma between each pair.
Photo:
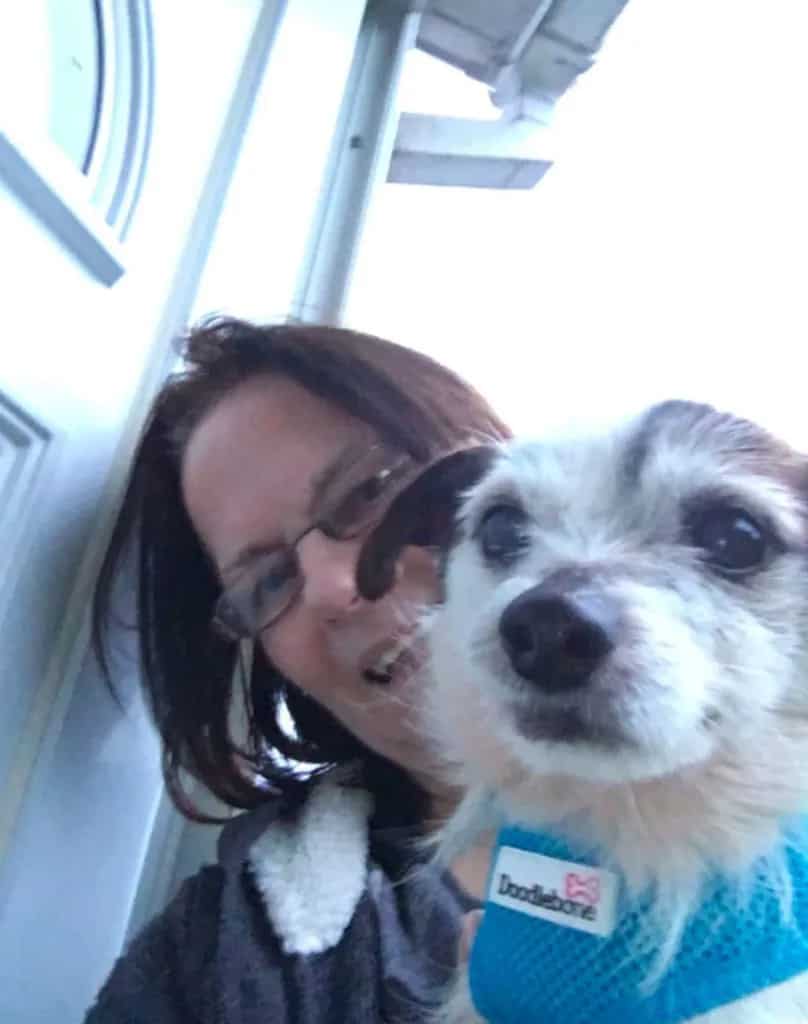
[(79, 777), (88, 847)]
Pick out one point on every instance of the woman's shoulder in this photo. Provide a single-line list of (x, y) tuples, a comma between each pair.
[(308, 916), (160, 976)]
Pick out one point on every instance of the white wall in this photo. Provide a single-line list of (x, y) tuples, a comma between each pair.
[(663, 256), (83, 783)]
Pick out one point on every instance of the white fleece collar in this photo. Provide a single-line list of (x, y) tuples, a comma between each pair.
[(311, 872)]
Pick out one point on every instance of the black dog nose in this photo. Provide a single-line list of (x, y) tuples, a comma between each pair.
[(557, 641)]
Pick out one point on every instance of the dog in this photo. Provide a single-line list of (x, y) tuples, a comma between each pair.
[(620, 658)]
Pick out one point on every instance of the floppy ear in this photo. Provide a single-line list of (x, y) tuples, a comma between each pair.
[(423, 515)]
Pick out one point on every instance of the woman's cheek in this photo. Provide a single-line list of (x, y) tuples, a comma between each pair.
[(280, 653), (418, 576), (296, 656)]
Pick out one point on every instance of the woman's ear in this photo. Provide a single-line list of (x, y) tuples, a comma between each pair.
[(423, 515)]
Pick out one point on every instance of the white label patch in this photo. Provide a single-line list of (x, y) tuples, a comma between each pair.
[(568, 894)]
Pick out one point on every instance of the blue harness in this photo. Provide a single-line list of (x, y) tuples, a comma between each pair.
[(541, 954)]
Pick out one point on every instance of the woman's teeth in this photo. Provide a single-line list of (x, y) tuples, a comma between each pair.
[(381, 672)]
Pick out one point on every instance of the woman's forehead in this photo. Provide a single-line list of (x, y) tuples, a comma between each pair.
[(250, 463)]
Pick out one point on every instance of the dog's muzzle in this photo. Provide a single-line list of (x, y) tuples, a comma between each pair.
[(558, 640)]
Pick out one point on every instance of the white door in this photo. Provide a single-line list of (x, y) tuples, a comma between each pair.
[(120, 126)]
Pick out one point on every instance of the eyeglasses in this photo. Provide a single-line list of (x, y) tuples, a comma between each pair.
[(273, 582)]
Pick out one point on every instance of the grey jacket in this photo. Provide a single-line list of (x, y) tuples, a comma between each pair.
[(317, 919)]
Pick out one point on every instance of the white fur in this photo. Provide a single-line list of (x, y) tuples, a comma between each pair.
[(311, 872), (710, 697)]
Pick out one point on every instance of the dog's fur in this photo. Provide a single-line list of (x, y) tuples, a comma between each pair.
[(688, 747)]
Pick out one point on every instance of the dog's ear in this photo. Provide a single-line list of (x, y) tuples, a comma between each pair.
[(423, 515)]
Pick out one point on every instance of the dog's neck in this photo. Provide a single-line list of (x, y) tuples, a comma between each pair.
[(667, 832), (664, 832)]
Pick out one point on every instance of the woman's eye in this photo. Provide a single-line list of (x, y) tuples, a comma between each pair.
[(372, 488), (273, 580), (502, 534), (361, 501), (731, 540)]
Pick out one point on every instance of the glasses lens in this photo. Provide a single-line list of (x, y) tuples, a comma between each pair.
[(259, 596), (364, 492)]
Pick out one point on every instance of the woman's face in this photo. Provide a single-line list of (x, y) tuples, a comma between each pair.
[(258, 469)]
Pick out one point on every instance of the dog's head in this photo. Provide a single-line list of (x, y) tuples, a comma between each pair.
[(618, 607)]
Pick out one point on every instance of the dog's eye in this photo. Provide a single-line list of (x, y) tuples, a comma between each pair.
[(731, 539), (502, 533)]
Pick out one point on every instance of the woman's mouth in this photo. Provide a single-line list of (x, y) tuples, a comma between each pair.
[(385, 662)]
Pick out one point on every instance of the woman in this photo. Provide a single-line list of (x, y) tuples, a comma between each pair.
[(260, 470)]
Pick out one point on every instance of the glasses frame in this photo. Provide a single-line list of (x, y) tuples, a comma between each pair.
[(401, 466)]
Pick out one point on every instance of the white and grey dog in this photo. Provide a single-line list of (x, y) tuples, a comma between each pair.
[(621, 654)]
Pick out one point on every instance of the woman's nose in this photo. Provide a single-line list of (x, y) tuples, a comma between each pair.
[(329, 574)]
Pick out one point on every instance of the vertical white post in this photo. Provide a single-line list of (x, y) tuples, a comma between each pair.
[(359, 160)]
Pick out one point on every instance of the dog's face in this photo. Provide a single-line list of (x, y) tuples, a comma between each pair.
[(616, 607)]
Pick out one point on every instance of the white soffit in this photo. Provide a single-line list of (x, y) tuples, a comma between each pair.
[(528, 53)]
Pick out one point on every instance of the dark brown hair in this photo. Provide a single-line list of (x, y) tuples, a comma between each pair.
[(188, 670)]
